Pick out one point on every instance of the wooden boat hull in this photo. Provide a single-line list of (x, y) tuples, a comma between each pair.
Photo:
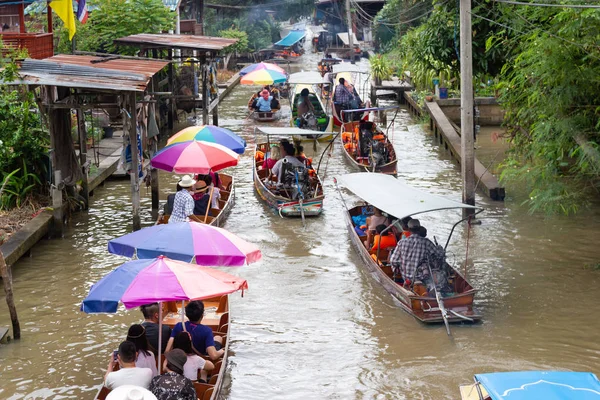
[(388, 168), (266, 116), (172, 316), (215, 217), (284, 206), (327, 128), (425, 309), (337, 120)]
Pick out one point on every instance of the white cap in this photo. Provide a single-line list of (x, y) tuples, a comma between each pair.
[(130, 392)]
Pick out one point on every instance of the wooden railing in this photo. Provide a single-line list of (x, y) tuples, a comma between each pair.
[(39, 45)]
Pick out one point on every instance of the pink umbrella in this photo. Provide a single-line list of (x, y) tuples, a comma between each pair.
[(194, 157)]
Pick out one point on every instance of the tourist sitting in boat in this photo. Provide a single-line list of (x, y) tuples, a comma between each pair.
[(275, 105), (183, 204), (263, 103), (204, 186), (342, 97), (145, 358), (195, 363), (372, 222), (274, 156), (287, 151), (302, 157), (128, 373), (150, 312), (383, 240), (412, 252), (203, 340), (172, 384)]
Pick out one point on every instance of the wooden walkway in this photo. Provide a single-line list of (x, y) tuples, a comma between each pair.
[(446, 133)]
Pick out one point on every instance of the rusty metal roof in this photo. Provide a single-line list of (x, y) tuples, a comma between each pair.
[(79, 72), (192, 42)]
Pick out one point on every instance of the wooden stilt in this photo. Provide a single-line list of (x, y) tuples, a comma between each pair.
[(10, 301), (57, 205), (83, 156), (205, 95), (172, 110), (154, 190), (135, 177)]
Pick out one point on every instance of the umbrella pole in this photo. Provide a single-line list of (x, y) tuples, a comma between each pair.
[(209, 203), (160, 322), (182, 315)]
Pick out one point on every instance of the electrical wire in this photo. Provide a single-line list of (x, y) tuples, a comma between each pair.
[(522, 3), (418, 17)]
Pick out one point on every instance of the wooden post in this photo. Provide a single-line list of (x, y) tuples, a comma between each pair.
[(10, 301), (350, 35), (172, 110), (467, 163), (49, 11), (83, 156), (215, 115), (154, 191), (205, 95), (57, 207), (135, 177)]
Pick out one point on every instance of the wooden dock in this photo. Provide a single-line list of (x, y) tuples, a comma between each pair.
[(445, 132), (394, 89)]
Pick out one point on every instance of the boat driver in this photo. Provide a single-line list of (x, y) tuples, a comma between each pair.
[(287, 152), (412, 251)]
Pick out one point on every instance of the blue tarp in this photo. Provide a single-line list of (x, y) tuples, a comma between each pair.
[(547, 385), (292, 38)]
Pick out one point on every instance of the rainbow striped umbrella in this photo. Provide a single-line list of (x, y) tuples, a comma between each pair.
[(194, 157), (185, 241), (261, 65), (263, 77), (211, 134)]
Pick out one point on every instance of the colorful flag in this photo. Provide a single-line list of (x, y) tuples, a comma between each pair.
[(82, 11), (64, 9)]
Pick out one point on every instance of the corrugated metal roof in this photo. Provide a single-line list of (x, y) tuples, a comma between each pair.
[(78, 72), (192, 42), (171, 4)]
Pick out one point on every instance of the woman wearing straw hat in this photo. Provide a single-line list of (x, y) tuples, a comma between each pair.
[(183, 205)]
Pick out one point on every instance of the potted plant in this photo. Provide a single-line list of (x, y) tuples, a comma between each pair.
[(380, 68)]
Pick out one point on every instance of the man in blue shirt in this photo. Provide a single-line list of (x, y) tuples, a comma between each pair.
[(203, 341), (264, 101)]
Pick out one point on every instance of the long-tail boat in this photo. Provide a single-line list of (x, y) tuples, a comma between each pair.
[(398, 201), (366, 146), (302, 195), (216, 316), (215, 216), (320, 120), (528, 385)]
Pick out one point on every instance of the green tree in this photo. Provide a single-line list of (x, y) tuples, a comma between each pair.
[(551, 93), (114, 19), (242, 43)]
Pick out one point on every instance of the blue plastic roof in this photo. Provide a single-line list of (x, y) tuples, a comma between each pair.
[(291, 39), (546, 385)]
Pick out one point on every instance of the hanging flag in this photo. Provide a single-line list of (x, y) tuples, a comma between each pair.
[(64, 9), (82, 11)]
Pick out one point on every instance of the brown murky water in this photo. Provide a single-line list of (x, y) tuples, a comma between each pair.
[(313, 324)]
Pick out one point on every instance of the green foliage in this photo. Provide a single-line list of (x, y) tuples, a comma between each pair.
[(242, 43), (381, 67), (21, 136), (118, 18), (551, 93), (261, 30), (16, 188)]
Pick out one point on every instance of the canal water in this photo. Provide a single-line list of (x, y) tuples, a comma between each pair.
[(314, 325)]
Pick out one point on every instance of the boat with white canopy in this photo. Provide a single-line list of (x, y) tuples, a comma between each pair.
[(316, 117), (350, 73), (446, 295), (297, 191)]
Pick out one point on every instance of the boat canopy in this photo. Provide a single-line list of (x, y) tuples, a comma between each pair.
[(540, 385), (347, 67), (287, 131), (394, 197), (318, 29), (292, 38), (344, 38), (306, 78)]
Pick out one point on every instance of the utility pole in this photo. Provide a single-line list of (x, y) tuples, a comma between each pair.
[(350, 34), (467, 164)]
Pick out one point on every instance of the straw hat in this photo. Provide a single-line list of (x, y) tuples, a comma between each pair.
[(201, 186), (186, 181), (130, 392)]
